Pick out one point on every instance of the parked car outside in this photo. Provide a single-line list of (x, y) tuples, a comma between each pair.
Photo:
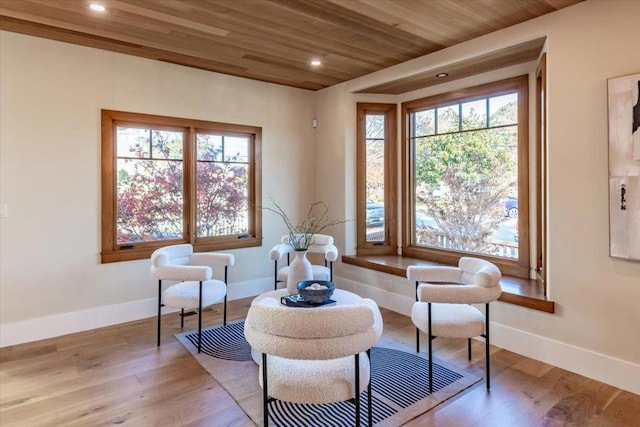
[(375, 213), (511, 207)]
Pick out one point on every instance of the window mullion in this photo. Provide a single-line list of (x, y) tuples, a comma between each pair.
[(435, 121), (487, 114), (190, 171)]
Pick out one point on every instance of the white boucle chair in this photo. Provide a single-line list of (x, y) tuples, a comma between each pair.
[(443, 298), (321, 244), (314, 355), (196, 287)]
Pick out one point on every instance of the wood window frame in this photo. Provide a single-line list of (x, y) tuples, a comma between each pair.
[(519, 267), (114, 252), (541, 173), (390, 243)]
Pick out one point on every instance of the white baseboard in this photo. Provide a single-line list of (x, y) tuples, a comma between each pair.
[(600, 367), (98, 317)]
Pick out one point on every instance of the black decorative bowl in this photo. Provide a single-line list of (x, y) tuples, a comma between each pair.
[(316, 296)]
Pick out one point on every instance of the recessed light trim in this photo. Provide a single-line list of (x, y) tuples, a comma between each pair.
[(97, 7), (442, 75), (315, 63)]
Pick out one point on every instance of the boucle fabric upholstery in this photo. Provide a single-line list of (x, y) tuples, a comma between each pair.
[(318, 381), (310, 351), (463, 294), (473, 281), (451, 290), (318, 333), (178, 262), (185, 294), (479, 272), (321, 244), (449, 320), (341, 296), (447, 292)]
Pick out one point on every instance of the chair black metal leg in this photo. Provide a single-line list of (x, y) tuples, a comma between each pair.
[(265, 392), (275, 276), (182, 318), (417, 330), (430, 341), (369, 407), (331, 271), (224, 318), (469, 348), (159, 308), (486, 346), (200, 318), (357, 391), (224, 321)]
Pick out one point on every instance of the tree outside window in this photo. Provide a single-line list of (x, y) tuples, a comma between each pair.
[(170, 180), (466, 169), (150, 186), (465, 172)]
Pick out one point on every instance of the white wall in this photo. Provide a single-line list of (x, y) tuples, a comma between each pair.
[(51, 280), (595, 329)]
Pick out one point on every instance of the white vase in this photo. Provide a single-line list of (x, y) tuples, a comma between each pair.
[(299, 270)]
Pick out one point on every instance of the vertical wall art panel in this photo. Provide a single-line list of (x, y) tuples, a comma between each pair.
[(624, 167)]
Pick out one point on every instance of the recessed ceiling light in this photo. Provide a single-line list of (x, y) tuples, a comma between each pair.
[(442, 75), (316, 63), (97, 7)]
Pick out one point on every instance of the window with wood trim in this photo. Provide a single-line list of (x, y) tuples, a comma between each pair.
[(465, 176), (169, 180), (376, 177)]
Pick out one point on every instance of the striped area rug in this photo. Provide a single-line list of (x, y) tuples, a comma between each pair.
[(399, 382), (226, 342)]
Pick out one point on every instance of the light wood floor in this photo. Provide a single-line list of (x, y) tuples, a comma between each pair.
[(117, 375)]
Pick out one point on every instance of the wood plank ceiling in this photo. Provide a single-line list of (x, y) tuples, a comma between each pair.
[(273, 40)]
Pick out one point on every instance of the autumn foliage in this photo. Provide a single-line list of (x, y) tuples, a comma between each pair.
[(151, 194)]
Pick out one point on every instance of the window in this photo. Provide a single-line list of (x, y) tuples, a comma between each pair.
[(376, 174), (466, 176), (170, 180)]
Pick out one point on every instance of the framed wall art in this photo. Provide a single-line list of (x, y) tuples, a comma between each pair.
[(624, 167)]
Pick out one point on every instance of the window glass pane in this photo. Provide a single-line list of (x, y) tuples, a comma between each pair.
[(149, 192), (448, 119), (222, 187), (503, 110), (133, 142), (374, 126), (424, 122), (375, 177), (462, 186), (149, 200), (209, 147), (236, 149), (474, 114), (166, 144)]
